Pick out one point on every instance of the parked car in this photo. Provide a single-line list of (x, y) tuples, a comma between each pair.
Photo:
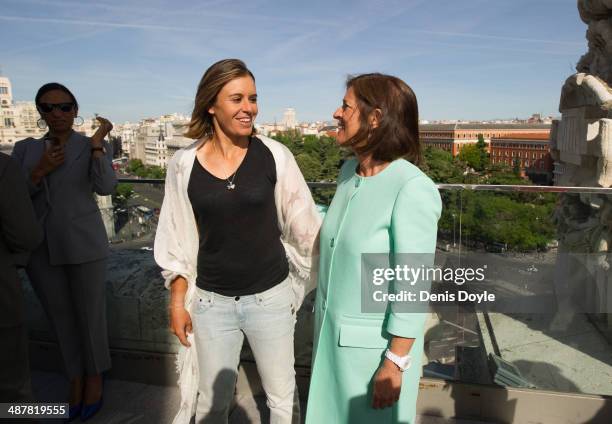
[(497, 247)]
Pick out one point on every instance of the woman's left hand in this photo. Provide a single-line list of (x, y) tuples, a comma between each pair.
[(97, 140), (387, 385)]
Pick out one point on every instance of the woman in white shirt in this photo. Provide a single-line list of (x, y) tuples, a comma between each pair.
[(235, 239)]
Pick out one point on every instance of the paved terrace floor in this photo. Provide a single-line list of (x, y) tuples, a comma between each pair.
[(129, 403)]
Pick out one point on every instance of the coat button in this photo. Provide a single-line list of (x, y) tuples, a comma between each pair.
[(331, 243), (357, 182)]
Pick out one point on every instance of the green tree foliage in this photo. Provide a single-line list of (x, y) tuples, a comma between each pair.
[(482, 150), (516, 166), (471, 155), (495, 217), (501, 174), (475, 155), (122, 194), (134, 165), (310, 166), (521, 220), (156, 172), (141, 172), (125, 190), (318, 158), (440, 166)]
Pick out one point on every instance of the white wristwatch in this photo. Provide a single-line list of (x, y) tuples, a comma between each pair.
[(402, 362)]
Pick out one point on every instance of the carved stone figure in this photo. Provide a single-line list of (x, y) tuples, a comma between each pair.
[(581, 145)]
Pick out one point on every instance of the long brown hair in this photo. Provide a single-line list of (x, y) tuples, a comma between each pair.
[(212, 82), (397, 134)]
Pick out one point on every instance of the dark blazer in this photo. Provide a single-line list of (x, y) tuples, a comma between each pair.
[(64, 200), (19, 233)]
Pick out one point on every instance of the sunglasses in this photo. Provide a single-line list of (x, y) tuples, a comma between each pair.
[(48, 107)]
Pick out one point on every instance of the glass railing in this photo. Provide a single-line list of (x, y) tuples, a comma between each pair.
[(544, 252)]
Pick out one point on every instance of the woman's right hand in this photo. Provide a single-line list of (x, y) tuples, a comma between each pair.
[(51, 159), (180, 323), (180, 320)]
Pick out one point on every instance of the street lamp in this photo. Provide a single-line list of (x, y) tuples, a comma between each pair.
[(454, 216)]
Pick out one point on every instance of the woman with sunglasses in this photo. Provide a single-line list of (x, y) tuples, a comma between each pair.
[(68, 270)]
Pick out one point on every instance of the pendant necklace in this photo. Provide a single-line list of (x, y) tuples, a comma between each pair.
[(231, 178), (230, 182)]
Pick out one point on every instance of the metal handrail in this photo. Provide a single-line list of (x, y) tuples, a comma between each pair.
[(525, 188), (471, 187)]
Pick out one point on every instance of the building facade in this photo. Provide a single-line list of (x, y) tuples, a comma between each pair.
[(177, 141), (147, 133), (452, 137), (126, 132), (18, 120), (289, 118), (529, 152), (148, 141)]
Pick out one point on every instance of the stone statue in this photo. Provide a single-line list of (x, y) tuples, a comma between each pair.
[(581, 145)]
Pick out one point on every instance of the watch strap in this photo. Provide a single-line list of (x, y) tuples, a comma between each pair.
[(402, 362)]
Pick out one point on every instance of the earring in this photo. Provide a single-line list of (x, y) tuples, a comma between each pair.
[(42, 124), (78, 121)]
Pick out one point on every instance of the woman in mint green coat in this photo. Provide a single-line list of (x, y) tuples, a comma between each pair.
[(366, 366)]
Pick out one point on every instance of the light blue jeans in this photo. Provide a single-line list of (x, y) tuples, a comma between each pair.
[(220, 324)]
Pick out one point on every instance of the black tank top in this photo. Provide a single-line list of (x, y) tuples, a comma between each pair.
[(240, 250)]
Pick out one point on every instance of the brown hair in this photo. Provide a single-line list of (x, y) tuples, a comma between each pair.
[(397, 133), (212, 82)]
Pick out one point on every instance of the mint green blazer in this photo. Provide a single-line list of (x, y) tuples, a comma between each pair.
[(394, 211)]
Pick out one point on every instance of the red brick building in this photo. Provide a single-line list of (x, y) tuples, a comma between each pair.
[(452, 137), (529, 151)]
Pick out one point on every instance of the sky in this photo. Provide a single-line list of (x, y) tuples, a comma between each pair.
[(128, 60)]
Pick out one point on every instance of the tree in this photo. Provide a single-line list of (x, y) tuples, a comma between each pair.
[(319, 159), (142, 172), (310, 166), (134, 165), (522, 220), (124, 191), (471, 155), (516, 167), (482, 149), (440, 166), (156, 172)]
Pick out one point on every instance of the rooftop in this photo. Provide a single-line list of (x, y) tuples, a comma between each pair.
[(532, 137), (479, 126), (567, 357)]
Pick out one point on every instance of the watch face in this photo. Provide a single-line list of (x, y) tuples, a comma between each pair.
[(405, 362)]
